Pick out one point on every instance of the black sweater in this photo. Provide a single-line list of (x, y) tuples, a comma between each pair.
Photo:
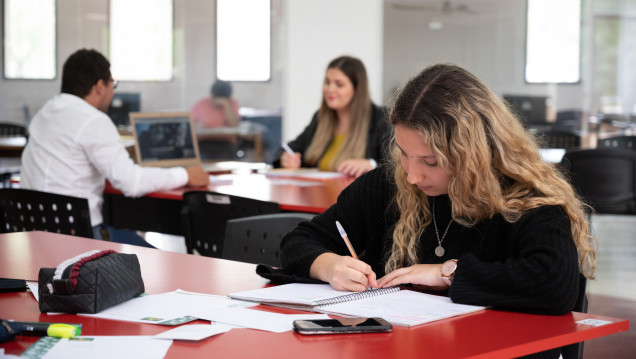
[(376, 138), (528, 266)]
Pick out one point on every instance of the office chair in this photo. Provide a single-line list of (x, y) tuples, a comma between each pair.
[(257, 239), (575, 351), (28, 210), (12, 129), (204, 216), (626, 142), (604, 177), (559, 139)]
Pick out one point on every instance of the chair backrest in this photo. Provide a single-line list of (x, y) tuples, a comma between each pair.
[(205, 214), (29, 210), (257, 239), (575, 351), (626, 142), (559, 139), (604, 177), (10, 129)]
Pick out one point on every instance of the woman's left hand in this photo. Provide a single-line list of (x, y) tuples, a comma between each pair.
[(428, 275), (355, 167)]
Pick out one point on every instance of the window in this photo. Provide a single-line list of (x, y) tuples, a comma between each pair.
[(243, 40), (553, 32), (614, 55), (29, 39), (141, 40)]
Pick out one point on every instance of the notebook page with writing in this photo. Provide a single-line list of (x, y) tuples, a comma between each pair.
[(404, 307)]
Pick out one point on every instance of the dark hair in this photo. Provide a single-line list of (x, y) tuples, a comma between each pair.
[(221, 89), (82, 70)]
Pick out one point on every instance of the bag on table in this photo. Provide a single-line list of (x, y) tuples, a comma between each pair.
[(90, 282)]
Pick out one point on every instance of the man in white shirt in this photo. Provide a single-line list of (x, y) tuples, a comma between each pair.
[(74, 146)]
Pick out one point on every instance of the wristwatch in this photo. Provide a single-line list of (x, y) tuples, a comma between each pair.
[(448, 270)]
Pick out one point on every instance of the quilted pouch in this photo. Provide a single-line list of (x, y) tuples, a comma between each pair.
[(90, 282)]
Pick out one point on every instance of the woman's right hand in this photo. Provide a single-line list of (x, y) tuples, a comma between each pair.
[(290, 161), (343, 272)]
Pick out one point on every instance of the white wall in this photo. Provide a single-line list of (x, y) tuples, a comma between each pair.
[(490, 43), (306, 35), (317, 32), (84, 24)]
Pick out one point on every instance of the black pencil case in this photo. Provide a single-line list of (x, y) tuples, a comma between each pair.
[(90, 283)]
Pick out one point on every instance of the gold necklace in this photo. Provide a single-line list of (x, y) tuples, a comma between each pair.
[(439, 250)]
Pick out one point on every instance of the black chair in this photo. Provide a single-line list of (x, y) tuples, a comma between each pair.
[(257, 239), (28, 210), (604, 177), (559, 139), (575, 351), (11, 129), (204, 216), (626, 142)]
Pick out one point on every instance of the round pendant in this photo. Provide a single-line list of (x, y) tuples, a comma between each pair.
[(439, 251)]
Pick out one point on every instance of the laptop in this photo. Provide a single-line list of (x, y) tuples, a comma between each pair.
[(164, 139)]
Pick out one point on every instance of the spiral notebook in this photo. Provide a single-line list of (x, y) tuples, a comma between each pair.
[(398, 306)]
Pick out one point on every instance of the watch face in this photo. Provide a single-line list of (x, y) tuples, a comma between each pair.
[(449, 267)]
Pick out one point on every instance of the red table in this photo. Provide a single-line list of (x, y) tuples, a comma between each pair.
[(485, 334), (160, 211)]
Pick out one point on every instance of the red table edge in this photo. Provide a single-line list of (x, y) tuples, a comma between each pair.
[(557, 341)]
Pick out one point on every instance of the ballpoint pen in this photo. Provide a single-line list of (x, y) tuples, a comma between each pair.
[(344, 236), (287, 148)]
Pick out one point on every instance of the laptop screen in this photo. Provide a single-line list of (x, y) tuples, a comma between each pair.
[(164, 139)]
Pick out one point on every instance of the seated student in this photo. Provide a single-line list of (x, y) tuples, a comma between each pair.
[(466, 205), (217, 110), (74, 147), (347, 133)]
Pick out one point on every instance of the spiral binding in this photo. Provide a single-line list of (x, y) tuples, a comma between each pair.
[(356, 296)]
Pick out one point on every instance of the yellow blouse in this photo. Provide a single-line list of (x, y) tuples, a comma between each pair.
[(331, 152)]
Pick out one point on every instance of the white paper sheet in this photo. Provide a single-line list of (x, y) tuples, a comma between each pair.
[(256, 319), (167, 308), (194, 331), (108, 347)]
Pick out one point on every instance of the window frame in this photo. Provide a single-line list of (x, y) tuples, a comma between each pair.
[(580, 55), (3, 49), (216, 49), (172, 55)]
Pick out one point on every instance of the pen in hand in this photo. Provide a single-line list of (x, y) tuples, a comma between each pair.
[(343, 234), (287, 148)]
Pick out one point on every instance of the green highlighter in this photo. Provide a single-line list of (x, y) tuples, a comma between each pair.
[(58, 330)]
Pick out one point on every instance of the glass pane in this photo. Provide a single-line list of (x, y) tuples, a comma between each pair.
[(29, 39), (141, 40), (553, 41), (606, 54), (243, 40)]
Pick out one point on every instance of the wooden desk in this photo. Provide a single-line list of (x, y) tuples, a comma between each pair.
[(12, 146), (485, 334), (160, 211)]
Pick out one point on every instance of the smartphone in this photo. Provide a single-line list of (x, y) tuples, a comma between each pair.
[(342, 326)]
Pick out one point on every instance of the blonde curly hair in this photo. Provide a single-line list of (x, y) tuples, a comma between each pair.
[(473, 133)]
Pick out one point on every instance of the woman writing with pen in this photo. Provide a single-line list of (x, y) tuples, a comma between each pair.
[(466, 205), (348, 131)]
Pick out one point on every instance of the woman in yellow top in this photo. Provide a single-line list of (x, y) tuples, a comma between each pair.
[(348, 132)]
